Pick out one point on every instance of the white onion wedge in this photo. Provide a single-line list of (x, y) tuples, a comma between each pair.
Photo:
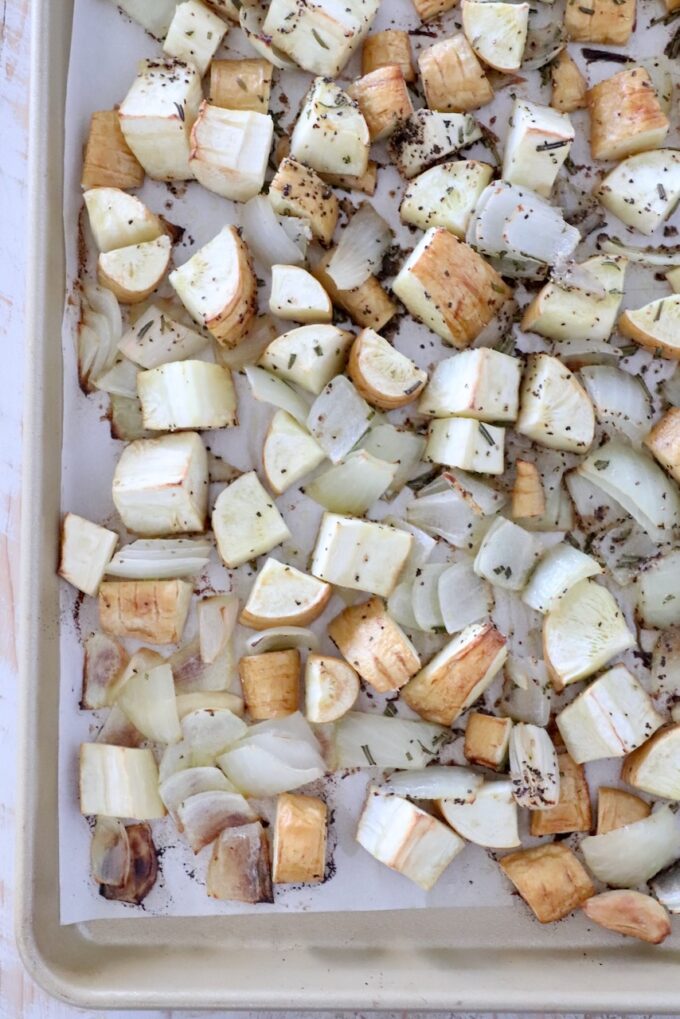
[(629, 856), (507, 555), (370, 740), (360, 249), (620, 401), (464, 597), (658, 594), (110, 852), (148, 699), (209, 700), (217, 617), (526, 691), (183, 784), (160, 558), (193, 675), (489, 820), (204, 815), (425, 597), (269, 389), (398, 446), (455, 784), (99, 332), (120, 379), (353, 485), (338, 418), (561, 567), (209, 733), (280, 638)]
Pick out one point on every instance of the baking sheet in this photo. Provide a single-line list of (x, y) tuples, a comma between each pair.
[(105, 50)]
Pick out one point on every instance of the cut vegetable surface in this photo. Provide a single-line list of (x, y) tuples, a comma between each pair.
[(310, 356), (497, 32), (246, 521), (284, 596), (427, 136)]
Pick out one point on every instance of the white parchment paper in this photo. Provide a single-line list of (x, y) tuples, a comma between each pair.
[(106, 48)]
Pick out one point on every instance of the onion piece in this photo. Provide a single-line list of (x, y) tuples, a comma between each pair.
[(666, 888), (578, 353), (425, 597), (400, 605), (249, 351), (369, 740), (160, 558), (507, 555), (629, 856), (258, 772), (204, 815), (105, 662), (252, 14), (534, 769), (120, 379), (338, 418), (110, 852), (666, 669), (490, 820), (353, 485), (148, 700), (526, 692), (542, 45), (397, 446), (638, 484), (193, 675), (561, 567), (118, 730), (440, 781), (620, 401), (209, 733), (454, 507), (266, 236), (657, 255), (99, 333), (658, 597), (268, 389), (360, 250), (464, 598), (209, 700), (280, 638), (216, 621), (143, 867), (183, 784)]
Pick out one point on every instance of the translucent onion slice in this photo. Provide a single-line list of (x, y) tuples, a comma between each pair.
[(489, 820), (353, 485), (520, 624), (217, 617), (266, 235), (209, 700), (279, 638), (658, 592), (666, 888), (193, 675), (206, 814), (561, 567), (464, 598), (258, 772), (118, 730), (657, 255), (99, 332), (105, 662), (534, 769), (425, 597), (421, 549), (120, 379), (110, 852), (400, 605), (183, 784), (210, 733), (364, 740), (160, 558), (627, 857), (620, 401), (398, 446), (455, 784), (338, 418), (148, 700), (360, 250), (143, 867), (526, 691), (252, 17), (269, 389), (638, 484)]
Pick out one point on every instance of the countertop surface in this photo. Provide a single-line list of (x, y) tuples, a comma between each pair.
[(19, 997)]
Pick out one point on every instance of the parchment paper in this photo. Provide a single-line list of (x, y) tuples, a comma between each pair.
[(105, 50)]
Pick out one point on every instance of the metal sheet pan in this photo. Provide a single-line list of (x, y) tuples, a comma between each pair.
[(485, 959)]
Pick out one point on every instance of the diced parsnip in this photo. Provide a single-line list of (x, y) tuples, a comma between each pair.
[(148, 700), (550, 879), (157, 115), (391, 46), (445, 195), (360, 554), (230, 151), (429, 136), (119, 782), (330, 134), (338, 418), (572, 811), (562, 311), (481, 383), (103, 670), (134, 272), (538, 142), (613, 716), (655, 326), (331, 688), (625, 115), (368, 305), (663, 442), (428, 9), (497, 32), (241, 84), (194, 35), (489, 820), (108, 161), (309, 356), (153, 15), (601, 21), (289, 452), (297, 296), (584, 632), (555, 410), (406, 838), (284, 596), (156, 339), (118, 220), (617, 808), (187, 394), (569, 87), (239, 868), (218, 288), (644, 189), (658, 604), (299, 848), (507, 555), (271, 683), (365, 182), (653, 767), (374, 645), (457, 675), (466, 443), (528, 497), (630, 913), (453, 78), (297, 190), (487, 739), (160, 486), (383, 99), (320, 37), (450, 288), (246, 522), (381, 374), (86, 550), (153, 610)]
